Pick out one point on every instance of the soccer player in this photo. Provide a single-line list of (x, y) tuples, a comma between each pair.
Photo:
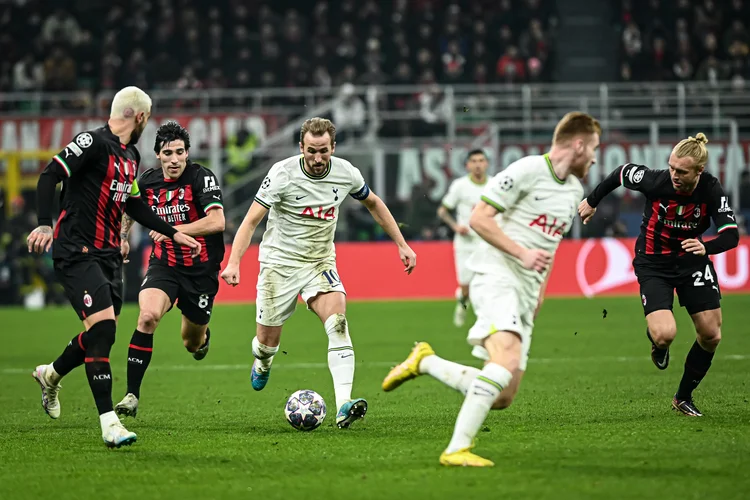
[(297, 256), (670, 255), (98, 170), (462, 195), (187, 196), (537, 198)]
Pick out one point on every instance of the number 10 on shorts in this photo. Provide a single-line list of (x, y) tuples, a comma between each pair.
[(332, 277)]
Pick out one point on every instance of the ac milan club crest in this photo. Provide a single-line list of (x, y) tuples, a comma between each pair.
[(643, 299), (87, 300)]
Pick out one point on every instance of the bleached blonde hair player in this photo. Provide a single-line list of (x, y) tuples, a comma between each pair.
[(302, 195), (537, 197)]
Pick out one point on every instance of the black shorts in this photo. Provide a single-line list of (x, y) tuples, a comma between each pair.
[(696, 284), (194, 293), (92, 284)]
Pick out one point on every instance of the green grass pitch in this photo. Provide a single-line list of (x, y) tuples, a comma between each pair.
[(592, 419)]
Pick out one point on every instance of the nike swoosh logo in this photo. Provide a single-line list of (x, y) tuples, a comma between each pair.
[(347, 356), (300, 197), (540, 198)]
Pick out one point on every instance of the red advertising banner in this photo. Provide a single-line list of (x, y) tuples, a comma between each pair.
[(206, 129), (373, 271)]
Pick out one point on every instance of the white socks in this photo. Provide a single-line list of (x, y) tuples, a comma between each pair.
[(483, 391), (264, 354), (340, 357), (107, 419), (458, 377)]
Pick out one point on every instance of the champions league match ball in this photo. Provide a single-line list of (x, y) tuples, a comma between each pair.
[(305, 410)]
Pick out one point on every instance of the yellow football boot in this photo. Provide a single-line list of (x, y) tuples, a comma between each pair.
[(409, 369), (464, 458)]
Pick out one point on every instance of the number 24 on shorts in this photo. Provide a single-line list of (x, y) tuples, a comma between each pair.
[(703, 275)]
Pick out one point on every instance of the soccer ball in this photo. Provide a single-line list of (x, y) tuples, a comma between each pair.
[(305, 410)]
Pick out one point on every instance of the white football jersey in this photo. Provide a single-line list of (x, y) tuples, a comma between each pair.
[(537, 209), (304, 209), (463, 194)]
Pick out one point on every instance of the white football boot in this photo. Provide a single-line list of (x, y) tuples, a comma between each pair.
[(128, 406), (50, 403), (116, 435)]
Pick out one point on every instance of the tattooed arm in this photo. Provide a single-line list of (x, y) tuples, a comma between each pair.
[(127, 223)]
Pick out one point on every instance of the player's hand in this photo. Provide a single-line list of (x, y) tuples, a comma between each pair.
[(694, 246), (157, 237), (585, 210), (408, 257), (536, 259), (462, 230), (124, 250), (231, 274), (40, 239), (188, 241)]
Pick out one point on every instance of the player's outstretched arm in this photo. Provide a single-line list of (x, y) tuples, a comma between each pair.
[(483, 222), (241, 242), (629, 175), (41, 238), (136, 208), (385, 219), (726, 227)]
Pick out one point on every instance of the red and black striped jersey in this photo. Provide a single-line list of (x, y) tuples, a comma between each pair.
[(182, 201), (98, 174), (670, 217)]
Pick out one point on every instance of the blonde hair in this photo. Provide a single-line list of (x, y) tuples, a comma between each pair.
[(573, 124), (695, 148), (318, 127), (128, 102)]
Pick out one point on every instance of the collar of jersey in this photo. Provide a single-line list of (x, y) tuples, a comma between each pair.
[(552, 170), (476, 183), (309, 175)]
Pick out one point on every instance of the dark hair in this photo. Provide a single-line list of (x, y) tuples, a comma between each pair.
[(168, 132), (473, 152), (318, 127)]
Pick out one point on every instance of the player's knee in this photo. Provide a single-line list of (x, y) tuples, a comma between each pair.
[(148, 320), (710, 336), (191, 344), (100, 338), (663, 334), (503, 401), (192, 341)]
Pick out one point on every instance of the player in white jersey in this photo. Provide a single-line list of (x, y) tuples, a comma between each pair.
[(463, 194), (297, 257), (536, 199)]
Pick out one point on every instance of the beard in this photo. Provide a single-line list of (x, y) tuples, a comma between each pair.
[(136, 134)]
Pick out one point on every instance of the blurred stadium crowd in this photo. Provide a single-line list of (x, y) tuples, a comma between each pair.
[(165, 44)]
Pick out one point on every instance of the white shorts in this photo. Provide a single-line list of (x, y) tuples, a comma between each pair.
[(462, 256), (500, 306), (279, 286)]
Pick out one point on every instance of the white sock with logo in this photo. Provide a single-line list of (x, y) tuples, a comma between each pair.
[(340, 357), (264, 354), (483, 391), (454, 375)]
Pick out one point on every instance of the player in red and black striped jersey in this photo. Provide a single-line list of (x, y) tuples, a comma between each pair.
[(671, 255), (188, 197), (98, 170)]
